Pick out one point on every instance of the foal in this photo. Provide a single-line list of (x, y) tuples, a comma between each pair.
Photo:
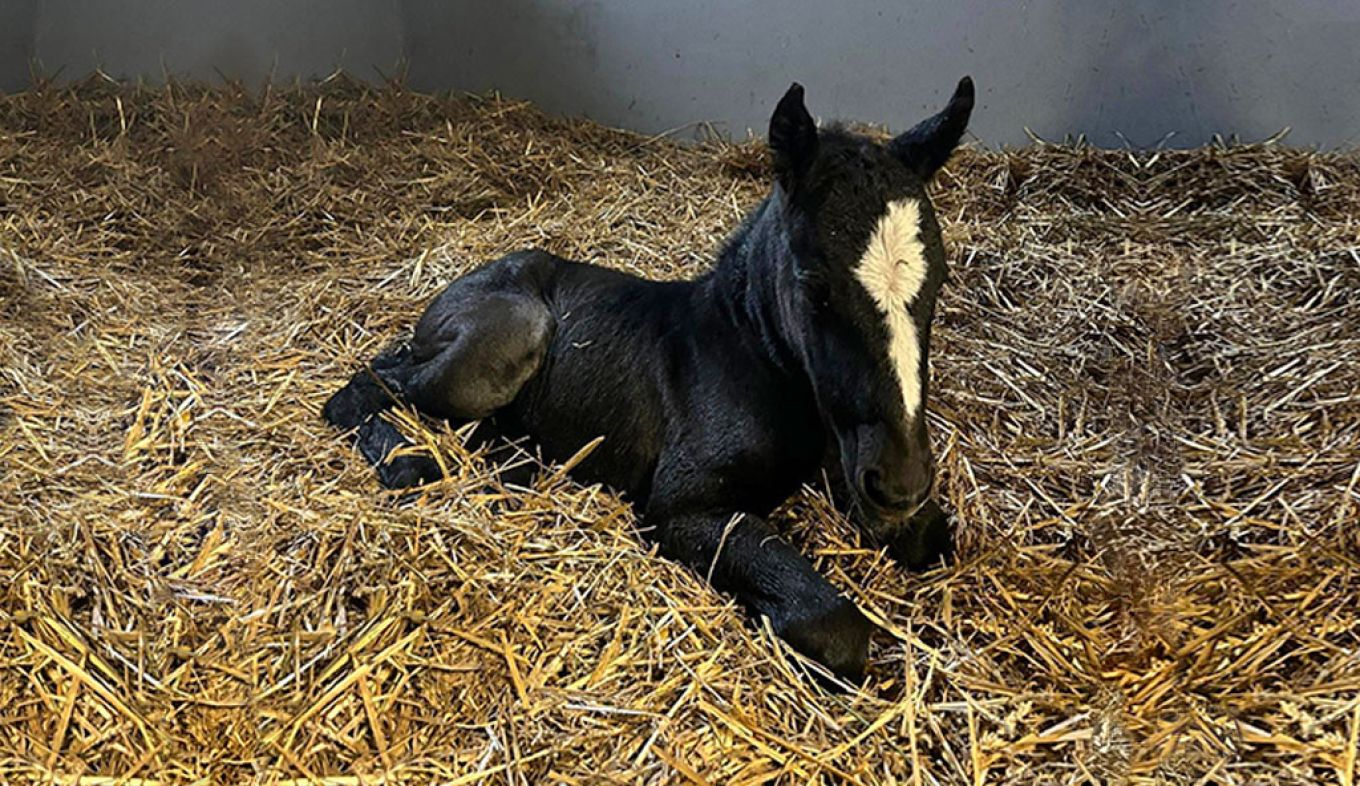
[(804, 348)]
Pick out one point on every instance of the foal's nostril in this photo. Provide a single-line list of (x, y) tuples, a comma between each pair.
[(888, 496), (871, 482)]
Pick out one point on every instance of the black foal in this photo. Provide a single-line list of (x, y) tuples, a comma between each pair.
[(804, 348)]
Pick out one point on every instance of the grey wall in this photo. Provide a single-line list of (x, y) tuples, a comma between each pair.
[(1120, 71), (198, 39), (17, 18), (1117, 70)]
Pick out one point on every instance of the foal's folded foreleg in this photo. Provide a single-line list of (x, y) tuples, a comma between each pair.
[(741, 554)]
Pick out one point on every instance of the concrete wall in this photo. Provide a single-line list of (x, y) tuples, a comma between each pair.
[(17, 19), (1121, 71), (200, 39), (1116, 70)]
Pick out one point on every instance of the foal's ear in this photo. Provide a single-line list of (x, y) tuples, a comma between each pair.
[(793, 135), (927, 145)]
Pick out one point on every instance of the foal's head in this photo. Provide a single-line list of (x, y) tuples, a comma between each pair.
[(858, 296)]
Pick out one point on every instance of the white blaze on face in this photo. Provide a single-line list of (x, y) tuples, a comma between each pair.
[(893, 270)]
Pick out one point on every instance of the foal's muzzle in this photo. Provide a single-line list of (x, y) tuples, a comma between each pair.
[(891, 474), (879, 491)]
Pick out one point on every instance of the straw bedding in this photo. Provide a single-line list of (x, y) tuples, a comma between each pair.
[(1145, 408)]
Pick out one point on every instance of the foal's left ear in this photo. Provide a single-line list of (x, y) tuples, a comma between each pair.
[(793, 136), (927, 145)]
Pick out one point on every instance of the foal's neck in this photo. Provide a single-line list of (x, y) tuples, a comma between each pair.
[(746, 283)]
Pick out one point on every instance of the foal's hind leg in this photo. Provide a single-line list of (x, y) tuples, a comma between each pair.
[(358, 407), (473, 350)]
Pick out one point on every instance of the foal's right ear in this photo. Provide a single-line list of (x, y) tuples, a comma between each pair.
[(793, 136)]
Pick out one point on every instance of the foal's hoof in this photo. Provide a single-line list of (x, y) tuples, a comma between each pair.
[(926, 540), (837, 638), (349, 406), (403, 472)]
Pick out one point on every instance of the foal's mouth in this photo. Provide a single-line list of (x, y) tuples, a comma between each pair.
[(884, 523), (910, 514), (918, 537)]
